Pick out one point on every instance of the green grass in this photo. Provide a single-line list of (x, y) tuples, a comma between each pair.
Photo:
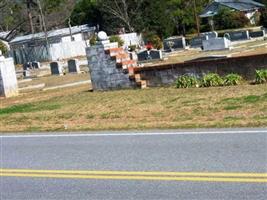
[(27, 108)]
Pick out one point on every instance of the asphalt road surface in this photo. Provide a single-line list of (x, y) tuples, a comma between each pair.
[(201, 165)]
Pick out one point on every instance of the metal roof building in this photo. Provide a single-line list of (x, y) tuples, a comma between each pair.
[(60, 44), (53, 34), (238, 5)]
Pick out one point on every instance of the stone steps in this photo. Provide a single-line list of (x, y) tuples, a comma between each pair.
[(124, 61)]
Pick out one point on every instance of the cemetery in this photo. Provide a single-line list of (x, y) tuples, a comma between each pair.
[(67, 74), (110, 67)]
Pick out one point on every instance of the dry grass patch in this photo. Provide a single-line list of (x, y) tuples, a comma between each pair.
[(78, 109)]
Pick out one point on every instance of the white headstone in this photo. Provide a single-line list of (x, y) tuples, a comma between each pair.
[(8, 78)]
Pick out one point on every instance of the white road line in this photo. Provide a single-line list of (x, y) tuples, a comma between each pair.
[(91, 134)]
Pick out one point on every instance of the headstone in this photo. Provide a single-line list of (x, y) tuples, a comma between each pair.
[(56, 68), (8, 78), (238, 35), (74, 66), (142, 56), (210, 35), (133, 55), (26, 73), (149, 55), (36, 65), (256, 34), (174, 43), (216, 44), (197, 42), (26, 66), (155, 54)]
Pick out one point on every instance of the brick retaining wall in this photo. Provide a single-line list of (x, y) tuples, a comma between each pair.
[(168, 73)]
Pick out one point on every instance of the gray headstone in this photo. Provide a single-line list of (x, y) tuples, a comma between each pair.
[(56, 68), (174, 43), (74, 66), (197, 42), (26, 66), (155, 54), (238, 35), (216, 44), (149, 55), (142, 56), (256, 34)]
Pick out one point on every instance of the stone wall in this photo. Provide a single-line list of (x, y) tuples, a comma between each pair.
[(8, 79), (167, 74), (104, 70)]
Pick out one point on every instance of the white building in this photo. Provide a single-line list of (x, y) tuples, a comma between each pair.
[(55, 45)]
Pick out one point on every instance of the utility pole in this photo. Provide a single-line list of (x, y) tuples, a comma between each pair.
[(69, 23), (196, 16), (29, 6), (43, 21)]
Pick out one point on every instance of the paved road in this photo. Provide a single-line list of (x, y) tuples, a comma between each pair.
[(215, 164)]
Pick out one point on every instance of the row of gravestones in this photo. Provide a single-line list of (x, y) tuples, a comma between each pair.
[(57, 67), (170, 44), (30, 66), (177, 43)]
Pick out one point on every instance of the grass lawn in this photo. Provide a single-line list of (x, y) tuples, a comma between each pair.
[(78, 109)]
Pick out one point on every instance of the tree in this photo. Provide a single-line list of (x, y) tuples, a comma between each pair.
[(55, 14), (227, 19), (87, 12), (124, 11), (185, 14)]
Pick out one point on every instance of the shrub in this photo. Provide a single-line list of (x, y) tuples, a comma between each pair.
[(187, 82), (212, 80), (132, 47), (153, 39), (228, 19), (3, 48), (232, 79), (116, 38), (261, 76), (93, 40)]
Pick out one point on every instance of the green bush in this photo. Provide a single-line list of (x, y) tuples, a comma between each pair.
[(116, 38), (228, 19), (261, 76), (132, 47), (187, 82), (93, 40), (154, 40), (3, 48), (232, 79), (212, 80)]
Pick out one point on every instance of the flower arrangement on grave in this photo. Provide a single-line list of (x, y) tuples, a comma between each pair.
[(149, 46), (170, 44)]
